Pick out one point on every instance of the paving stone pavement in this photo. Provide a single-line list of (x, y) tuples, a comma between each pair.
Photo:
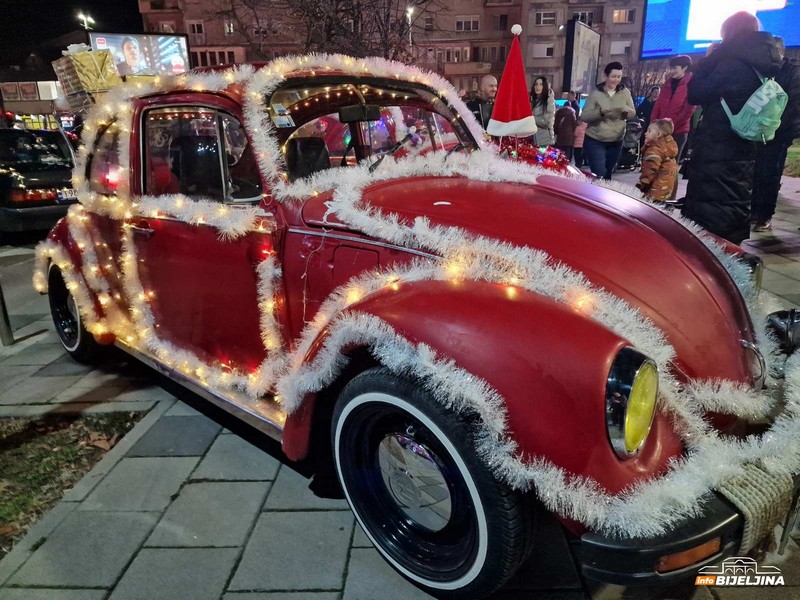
[(182, 508)]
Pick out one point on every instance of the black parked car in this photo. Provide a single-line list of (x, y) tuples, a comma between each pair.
[(35, 179)]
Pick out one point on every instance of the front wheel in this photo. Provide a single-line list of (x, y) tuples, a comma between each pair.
[(412, 476), (79, 343)]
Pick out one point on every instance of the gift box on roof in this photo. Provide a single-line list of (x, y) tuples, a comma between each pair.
[(91, 71)]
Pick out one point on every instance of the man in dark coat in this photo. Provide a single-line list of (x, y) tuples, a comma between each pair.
[(482, 106), (771, 157), (721, 177)]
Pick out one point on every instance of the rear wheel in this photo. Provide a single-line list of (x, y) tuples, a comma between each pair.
[(412, 476), (79, 343)]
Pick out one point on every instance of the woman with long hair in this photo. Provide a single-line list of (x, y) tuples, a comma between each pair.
[(543, 106)]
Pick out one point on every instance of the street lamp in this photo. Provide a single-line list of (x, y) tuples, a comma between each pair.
[(85, 20), (409, 12)]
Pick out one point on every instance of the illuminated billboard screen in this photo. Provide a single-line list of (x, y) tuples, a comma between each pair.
[(689, 26), (144, 54)]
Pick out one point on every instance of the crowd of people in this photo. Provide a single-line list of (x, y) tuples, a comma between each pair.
[(688, 123)]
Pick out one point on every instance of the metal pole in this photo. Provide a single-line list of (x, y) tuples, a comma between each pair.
[(6, 335)]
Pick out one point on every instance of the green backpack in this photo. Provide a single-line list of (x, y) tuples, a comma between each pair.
[(760, 116)]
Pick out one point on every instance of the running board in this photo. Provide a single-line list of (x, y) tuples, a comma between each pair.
[(267, 417)]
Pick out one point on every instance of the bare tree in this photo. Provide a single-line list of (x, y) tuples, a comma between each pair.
[(644, 74), (355, 27)]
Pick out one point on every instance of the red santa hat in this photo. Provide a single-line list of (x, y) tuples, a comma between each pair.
[(512, 114)]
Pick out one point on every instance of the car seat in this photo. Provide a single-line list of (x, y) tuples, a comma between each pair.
[(306, 155)]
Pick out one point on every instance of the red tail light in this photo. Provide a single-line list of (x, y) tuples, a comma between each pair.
[(33, 195)]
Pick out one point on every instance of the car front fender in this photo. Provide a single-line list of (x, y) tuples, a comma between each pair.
[(548, 361)]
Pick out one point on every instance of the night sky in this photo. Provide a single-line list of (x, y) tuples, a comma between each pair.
[(26, 23)]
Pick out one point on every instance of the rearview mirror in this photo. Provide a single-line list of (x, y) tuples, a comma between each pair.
[(358, 113)]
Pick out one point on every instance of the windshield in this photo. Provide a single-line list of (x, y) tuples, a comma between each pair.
[(305, 114), (41, 149)]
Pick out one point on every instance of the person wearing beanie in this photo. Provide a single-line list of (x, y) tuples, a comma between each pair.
[(720, 187)]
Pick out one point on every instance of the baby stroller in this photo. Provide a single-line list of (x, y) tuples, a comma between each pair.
[(631, 145)]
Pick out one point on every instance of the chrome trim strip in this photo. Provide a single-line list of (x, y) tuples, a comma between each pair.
[(270, 422), (368, 242), (758, 382)]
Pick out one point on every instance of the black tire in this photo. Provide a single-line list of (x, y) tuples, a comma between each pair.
[(79, 343), (412, 476)]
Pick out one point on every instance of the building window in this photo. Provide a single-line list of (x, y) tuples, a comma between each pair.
[(502, 55), (166, 26), (621, 47), (448, 55), (468, 24), (195, 26), (428, 23), (494, 53), (500, 22), (546, 17), (543, 51), (231, 57), (584, 16), (484, 54), (466, 54), (624, 15), (457, 55), (229, 28)]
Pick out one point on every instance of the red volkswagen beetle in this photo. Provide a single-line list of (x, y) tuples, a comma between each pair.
[(472, 340)]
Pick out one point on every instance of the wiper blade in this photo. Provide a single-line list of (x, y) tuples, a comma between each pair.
[(411, 131), (456, 148)]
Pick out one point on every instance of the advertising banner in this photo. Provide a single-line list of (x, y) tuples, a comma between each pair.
[(144, 54), (28, 90)]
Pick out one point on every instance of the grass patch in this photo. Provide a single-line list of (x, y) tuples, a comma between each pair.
[(40, 459), (792, 168)]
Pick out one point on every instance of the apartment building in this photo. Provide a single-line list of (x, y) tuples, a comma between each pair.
[(218, 36), (460, 39)]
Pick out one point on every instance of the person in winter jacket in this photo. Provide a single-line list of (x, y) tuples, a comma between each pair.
[(543, 105), (645, 109), (721, 175), (659, 162), (606, 110), (566, 121), (771, 157), (580, 136), (672, 102)]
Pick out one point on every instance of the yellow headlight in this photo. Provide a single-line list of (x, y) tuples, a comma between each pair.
[(641, 406)]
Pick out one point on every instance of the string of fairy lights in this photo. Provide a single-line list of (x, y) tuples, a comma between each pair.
[(291, 370)]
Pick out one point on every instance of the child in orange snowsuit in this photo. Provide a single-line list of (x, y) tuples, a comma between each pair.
[(659, 162)]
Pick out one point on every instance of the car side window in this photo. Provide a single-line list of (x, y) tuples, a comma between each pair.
[(183, 153), (242, 177), (103, 167)]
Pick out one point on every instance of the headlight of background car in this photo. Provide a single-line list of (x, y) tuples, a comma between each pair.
[(631, 394)]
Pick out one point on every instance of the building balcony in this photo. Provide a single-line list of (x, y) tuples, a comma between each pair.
[(150, 6), (466, 68)]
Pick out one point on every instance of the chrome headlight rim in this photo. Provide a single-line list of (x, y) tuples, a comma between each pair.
[(628, 365)]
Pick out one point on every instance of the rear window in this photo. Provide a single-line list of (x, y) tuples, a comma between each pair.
[(41, 149)]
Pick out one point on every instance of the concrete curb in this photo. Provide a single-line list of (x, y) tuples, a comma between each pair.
[(72, 498)]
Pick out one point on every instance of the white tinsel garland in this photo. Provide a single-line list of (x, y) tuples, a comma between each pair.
[(648, 508)]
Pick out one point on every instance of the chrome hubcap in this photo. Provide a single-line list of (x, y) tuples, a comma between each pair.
[(414, 481)]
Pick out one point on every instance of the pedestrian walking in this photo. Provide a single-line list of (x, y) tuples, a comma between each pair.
[(721, 178), (543, 105), (771, 157), (673, 101), (564, 127), (605, 111), (572, 100)]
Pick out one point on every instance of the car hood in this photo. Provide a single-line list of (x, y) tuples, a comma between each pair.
[(630, 249)]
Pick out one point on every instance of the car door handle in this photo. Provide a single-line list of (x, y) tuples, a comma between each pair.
[(145, 231)]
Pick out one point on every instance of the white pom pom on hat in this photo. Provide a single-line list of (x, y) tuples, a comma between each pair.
[(516, 29)]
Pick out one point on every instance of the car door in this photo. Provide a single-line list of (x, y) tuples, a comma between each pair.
[(202, 287)]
